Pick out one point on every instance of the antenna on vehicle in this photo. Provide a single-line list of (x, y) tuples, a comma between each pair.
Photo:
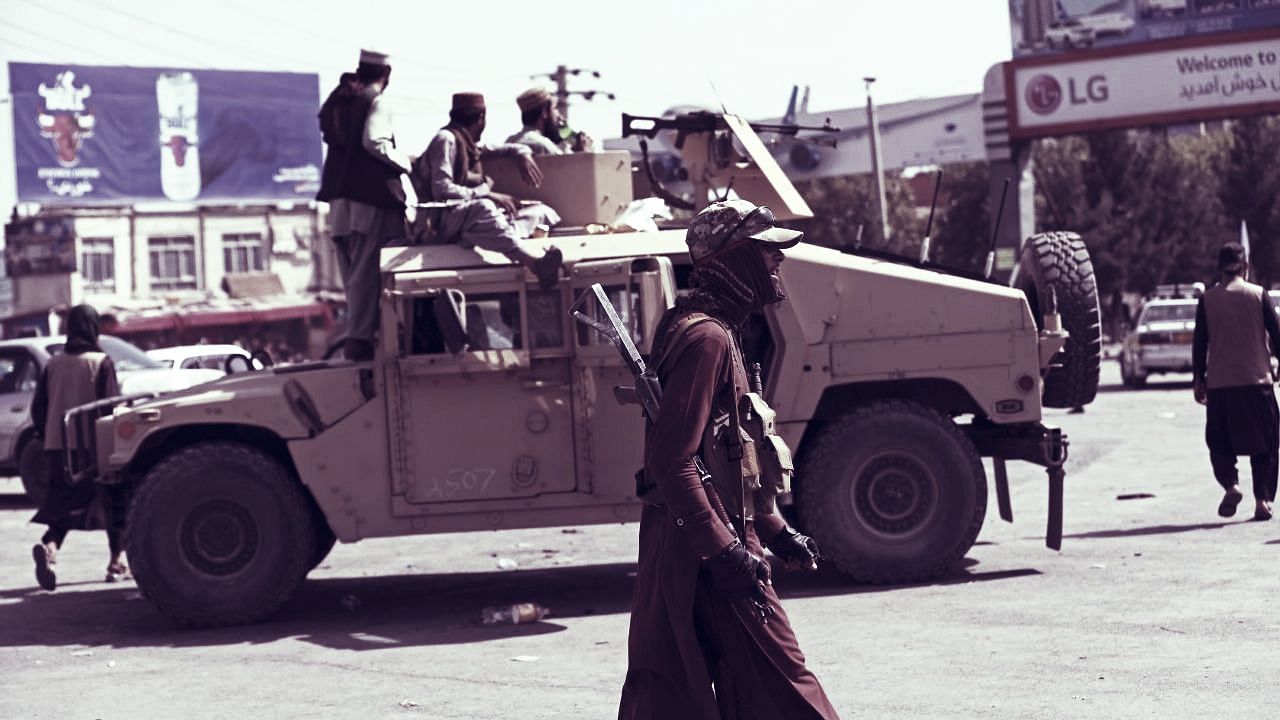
[(723, 108), (928, 229), (995, 232)]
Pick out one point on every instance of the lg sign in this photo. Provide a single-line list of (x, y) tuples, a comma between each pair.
[(1044, 93)]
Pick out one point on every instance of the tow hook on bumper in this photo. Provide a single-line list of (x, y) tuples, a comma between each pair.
[(1043, 445)]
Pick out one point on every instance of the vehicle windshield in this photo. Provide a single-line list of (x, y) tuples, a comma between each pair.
[(124, 354), (1164, 313)]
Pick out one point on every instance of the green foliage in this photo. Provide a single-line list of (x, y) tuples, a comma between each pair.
[(1249, 188), (841, 205)]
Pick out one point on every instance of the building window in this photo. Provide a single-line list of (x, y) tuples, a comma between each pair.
[(98, 263), (173, 262), (242, 253)]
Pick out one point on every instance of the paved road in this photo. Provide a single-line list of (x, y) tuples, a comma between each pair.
[(1154, 609)]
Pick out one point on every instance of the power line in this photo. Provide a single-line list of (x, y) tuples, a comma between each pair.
[(164, 27), (74, 18), (10, 24)]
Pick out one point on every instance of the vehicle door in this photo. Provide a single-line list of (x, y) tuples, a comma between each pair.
[(18, 375), (610, 443), (491, 422)]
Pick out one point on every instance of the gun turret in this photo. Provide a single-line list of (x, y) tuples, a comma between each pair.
[(704, 121)]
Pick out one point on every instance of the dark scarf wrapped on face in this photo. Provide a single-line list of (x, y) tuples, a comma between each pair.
[(731, 285), (82, 330)]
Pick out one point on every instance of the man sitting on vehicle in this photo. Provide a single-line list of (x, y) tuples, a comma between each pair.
[(451, 171), (544, 130)]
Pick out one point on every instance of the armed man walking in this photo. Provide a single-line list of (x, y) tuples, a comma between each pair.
[(709, 638), (1236, 334)]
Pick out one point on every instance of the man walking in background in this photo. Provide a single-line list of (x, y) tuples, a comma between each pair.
[(362, 182), (1236, 335)]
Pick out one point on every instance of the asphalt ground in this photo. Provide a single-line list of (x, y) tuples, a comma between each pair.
[(1155, 608)]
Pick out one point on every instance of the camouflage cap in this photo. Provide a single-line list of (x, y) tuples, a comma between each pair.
[(729, 223)]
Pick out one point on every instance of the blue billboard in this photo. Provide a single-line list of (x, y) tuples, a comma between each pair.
[(91, 135)]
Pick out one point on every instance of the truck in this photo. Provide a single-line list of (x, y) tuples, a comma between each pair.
[(486, 407)]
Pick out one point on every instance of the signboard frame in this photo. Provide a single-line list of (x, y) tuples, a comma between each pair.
[(1163, 117)]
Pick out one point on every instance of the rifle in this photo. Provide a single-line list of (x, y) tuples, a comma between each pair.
[(648, 393), (703, 121)]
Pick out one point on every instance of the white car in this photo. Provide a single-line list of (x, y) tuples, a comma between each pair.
[(1160, 341), (1069, 33), (21, 362), (211, 357), (1104, 24)]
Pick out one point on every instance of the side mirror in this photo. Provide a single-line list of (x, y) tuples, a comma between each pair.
[(449, 311)]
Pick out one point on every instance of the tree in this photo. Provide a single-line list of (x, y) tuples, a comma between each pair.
[(844, 210), (1249, 188)]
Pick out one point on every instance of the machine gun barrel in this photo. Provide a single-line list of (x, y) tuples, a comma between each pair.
[(703, 121), (648, 388)]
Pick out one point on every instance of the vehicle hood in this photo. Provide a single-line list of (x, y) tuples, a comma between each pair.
[(294, 401), (164, 380), (841, 297)]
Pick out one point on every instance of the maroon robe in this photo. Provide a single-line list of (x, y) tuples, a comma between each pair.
[(685, 635)]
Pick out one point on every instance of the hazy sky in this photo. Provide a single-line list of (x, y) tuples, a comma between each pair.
[(653, 54)]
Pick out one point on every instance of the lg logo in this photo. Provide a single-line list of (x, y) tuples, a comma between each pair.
[(1044, 93)]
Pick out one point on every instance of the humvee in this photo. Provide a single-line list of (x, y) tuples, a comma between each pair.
[(487, 408)]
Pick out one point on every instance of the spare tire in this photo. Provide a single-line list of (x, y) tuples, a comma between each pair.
[(1058, 262)]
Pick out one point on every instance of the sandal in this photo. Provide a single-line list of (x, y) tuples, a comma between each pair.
[(117, 572), (1227, 507), (44, 557)]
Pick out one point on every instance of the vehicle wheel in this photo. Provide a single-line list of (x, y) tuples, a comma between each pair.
[(1129, 377), (1059, 262), (220, 533), (893, 492), (33, 468)]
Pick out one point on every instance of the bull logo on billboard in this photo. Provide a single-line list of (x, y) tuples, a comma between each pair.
[(64, 117)]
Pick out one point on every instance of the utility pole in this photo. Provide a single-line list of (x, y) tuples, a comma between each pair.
[(877, 164), (561, 78)]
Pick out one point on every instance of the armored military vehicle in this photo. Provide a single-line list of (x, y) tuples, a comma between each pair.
[(486, 407)]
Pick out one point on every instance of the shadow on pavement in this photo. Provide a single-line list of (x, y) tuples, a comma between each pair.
[(11, 501), (371, 613), (1150, 530), (1156, 385)]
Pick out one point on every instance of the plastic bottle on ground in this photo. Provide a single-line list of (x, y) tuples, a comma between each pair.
[(513, 614)]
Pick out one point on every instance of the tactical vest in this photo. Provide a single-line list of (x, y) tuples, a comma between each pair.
[(740, 448)]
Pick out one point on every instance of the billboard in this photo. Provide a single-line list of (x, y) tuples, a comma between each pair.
[(39, 246), (1054, 27), (91, 135), (1178, 81)]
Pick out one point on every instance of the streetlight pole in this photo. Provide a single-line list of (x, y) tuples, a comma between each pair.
[(561, 78), (877, 164)]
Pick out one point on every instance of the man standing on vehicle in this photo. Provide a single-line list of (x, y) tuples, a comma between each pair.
[(708, 636), (1236, 335), (363, 183), (543, 126), (451, 171)]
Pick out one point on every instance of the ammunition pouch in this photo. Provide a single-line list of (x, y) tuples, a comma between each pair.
[(773, 466)]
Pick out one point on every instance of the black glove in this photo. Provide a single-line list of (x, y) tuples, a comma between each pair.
[(739, 573), (795, 550)]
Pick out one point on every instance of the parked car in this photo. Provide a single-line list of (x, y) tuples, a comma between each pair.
[(211, 357), (1160, 341), (1104, 24), (1069, 33), (21, 362)]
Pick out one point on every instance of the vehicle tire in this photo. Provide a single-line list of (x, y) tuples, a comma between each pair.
[(220, 533), (33, 468), (1059, 262), (893, 492), (1129, 377)]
